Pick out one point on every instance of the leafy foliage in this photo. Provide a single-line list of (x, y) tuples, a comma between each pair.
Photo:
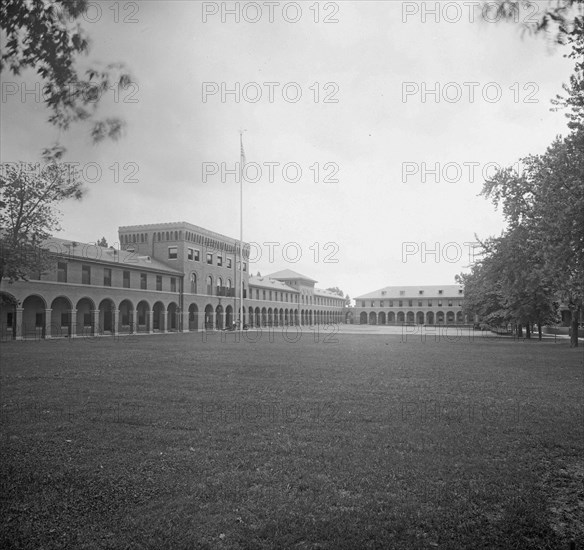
[(28, 215), (46, 35)]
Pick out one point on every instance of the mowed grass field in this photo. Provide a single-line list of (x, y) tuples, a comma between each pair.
[(186, 442)]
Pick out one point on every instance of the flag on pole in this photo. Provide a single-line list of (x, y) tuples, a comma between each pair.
[(242, 153)]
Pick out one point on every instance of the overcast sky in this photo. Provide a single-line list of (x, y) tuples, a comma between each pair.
[(364, 61)]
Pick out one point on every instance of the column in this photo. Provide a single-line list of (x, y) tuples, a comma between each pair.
[(164, 321), (134, 327), (47, 323), (115, 328), (19, 314), (151, 321), (96, 327), (185, 320), (73, 321)]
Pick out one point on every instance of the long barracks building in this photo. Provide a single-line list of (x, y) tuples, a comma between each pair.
[(168, 277), (422, 305)]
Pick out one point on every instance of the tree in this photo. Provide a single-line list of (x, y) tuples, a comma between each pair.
[(556, 19), (336, 290), (102, 242), (575, 89), (546, 203), (27, 215), (46, 35)]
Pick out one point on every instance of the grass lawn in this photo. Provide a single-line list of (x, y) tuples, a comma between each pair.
[(173, 442)]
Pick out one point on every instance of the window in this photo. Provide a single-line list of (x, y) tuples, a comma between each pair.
[(460, 291), (402, 292), (419, 303), (383, 293), (190, 254), (362, 304), (107, 277), (429, 303), (62, 272), (219, 286), (449, 303), (172, 252), (263, 294), (158, 282), (440, 292), (209, 258), (400, 303), (372, 303), (228, 262), (173, 284), (86, 274), (209, 285), (219, 260), (197, 255), (439, 303), (460, 303), (257, 293), (143, 281), (391, 303), (126, 279), (410, 303), (421, 292), (193, 283), (381, 303), (244, 266)]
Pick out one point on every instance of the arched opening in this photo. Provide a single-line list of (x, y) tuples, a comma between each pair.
[(410, 318), (193, 283), (459, 317), (264, 317), (381, 318), (450, 318), (8, 319), (420, 318), (440, 317), (210, 285), (193, 317), (391, 318), (85, 308), (270, 317), (228, 317), (106, 316), (401, 318), (250, 317), (372, 318), (158, 317), (143, 316), (60, 317), (310, 317), (219, 317), (126, 319), (33, 317), (363, 318), (172, 316), (258, 319), (430, 318), (209, 317), (281, 316)]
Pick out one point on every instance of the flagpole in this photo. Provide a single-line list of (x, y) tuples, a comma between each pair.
[(241, 162)]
